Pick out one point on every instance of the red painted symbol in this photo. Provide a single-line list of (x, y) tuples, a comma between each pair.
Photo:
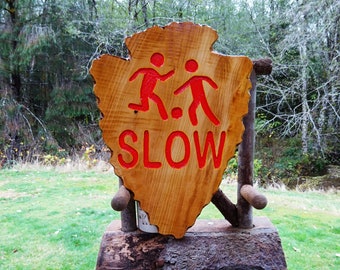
[(196, 85), (151, 76), (177, 113)]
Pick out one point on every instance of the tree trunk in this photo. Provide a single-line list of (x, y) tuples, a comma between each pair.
[(304, 97), (15, 78)]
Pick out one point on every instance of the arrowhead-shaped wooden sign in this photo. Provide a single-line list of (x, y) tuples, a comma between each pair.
[(172, 116)]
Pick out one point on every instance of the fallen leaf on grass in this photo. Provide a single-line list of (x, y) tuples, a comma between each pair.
[(296, 249)]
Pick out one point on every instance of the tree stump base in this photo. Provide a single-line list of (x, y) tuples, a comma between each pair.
[(209, 244)]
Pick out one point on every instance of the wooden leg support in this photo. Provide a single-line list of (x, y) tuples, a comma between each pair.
[(123, 201), (226, 207)]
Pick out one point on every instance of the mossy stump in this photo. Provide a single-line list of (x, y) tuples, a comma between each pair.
[(209, 244)]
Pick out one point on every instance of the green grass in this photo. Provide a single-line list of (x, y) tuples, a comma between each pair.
[(309, 227), (55, 218)]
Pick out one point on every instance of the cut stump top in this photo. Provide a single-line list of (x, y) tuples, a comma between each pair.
[(172, 116)]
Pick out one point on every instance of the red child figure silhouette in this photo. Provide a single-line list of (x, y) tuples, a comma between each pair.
[(198, 94), (149, 82)]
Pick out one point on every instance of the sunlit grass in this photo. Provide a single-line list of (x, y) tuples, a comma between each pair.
[(308, 224), (54, 218)]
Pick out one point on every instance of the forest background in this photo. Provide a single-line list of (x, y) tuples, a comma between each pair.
[(48, 112)]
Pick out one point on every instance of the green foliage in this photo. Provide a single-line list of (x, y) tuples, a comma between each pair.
[(233, 167), (283, 161), (19, 132), (265, 127), (312, 165), (32, 40), (70, 105), (257, 167)]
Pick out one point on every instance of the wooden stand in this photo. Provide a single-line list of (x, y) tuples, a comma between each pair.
[(209, 244), (152, 146), (239, 242)]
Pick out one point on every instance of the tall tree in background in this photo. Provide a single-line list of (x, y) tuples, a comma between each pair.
[(45, 93), (21, 38), (302, 96)]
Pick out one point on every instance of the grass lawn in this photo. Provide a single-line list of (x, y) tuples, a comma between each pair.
[(54, 218)]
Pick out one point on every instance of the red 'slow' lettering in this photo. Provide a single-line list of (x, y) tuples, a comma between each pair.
[(202, 157), (128, 148), (128, 137), (168, 148), (146, 153)]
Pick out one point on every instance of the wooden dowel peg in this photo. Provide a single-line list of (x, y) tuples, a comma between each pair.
[(253, 197), (121, 199)]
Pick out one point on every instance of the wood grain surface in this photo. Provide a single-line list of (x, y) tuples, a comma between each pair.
[(172, 116)]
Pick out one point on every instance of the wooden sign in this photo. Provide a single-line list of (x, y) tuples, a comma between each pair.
[(172, 116)]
